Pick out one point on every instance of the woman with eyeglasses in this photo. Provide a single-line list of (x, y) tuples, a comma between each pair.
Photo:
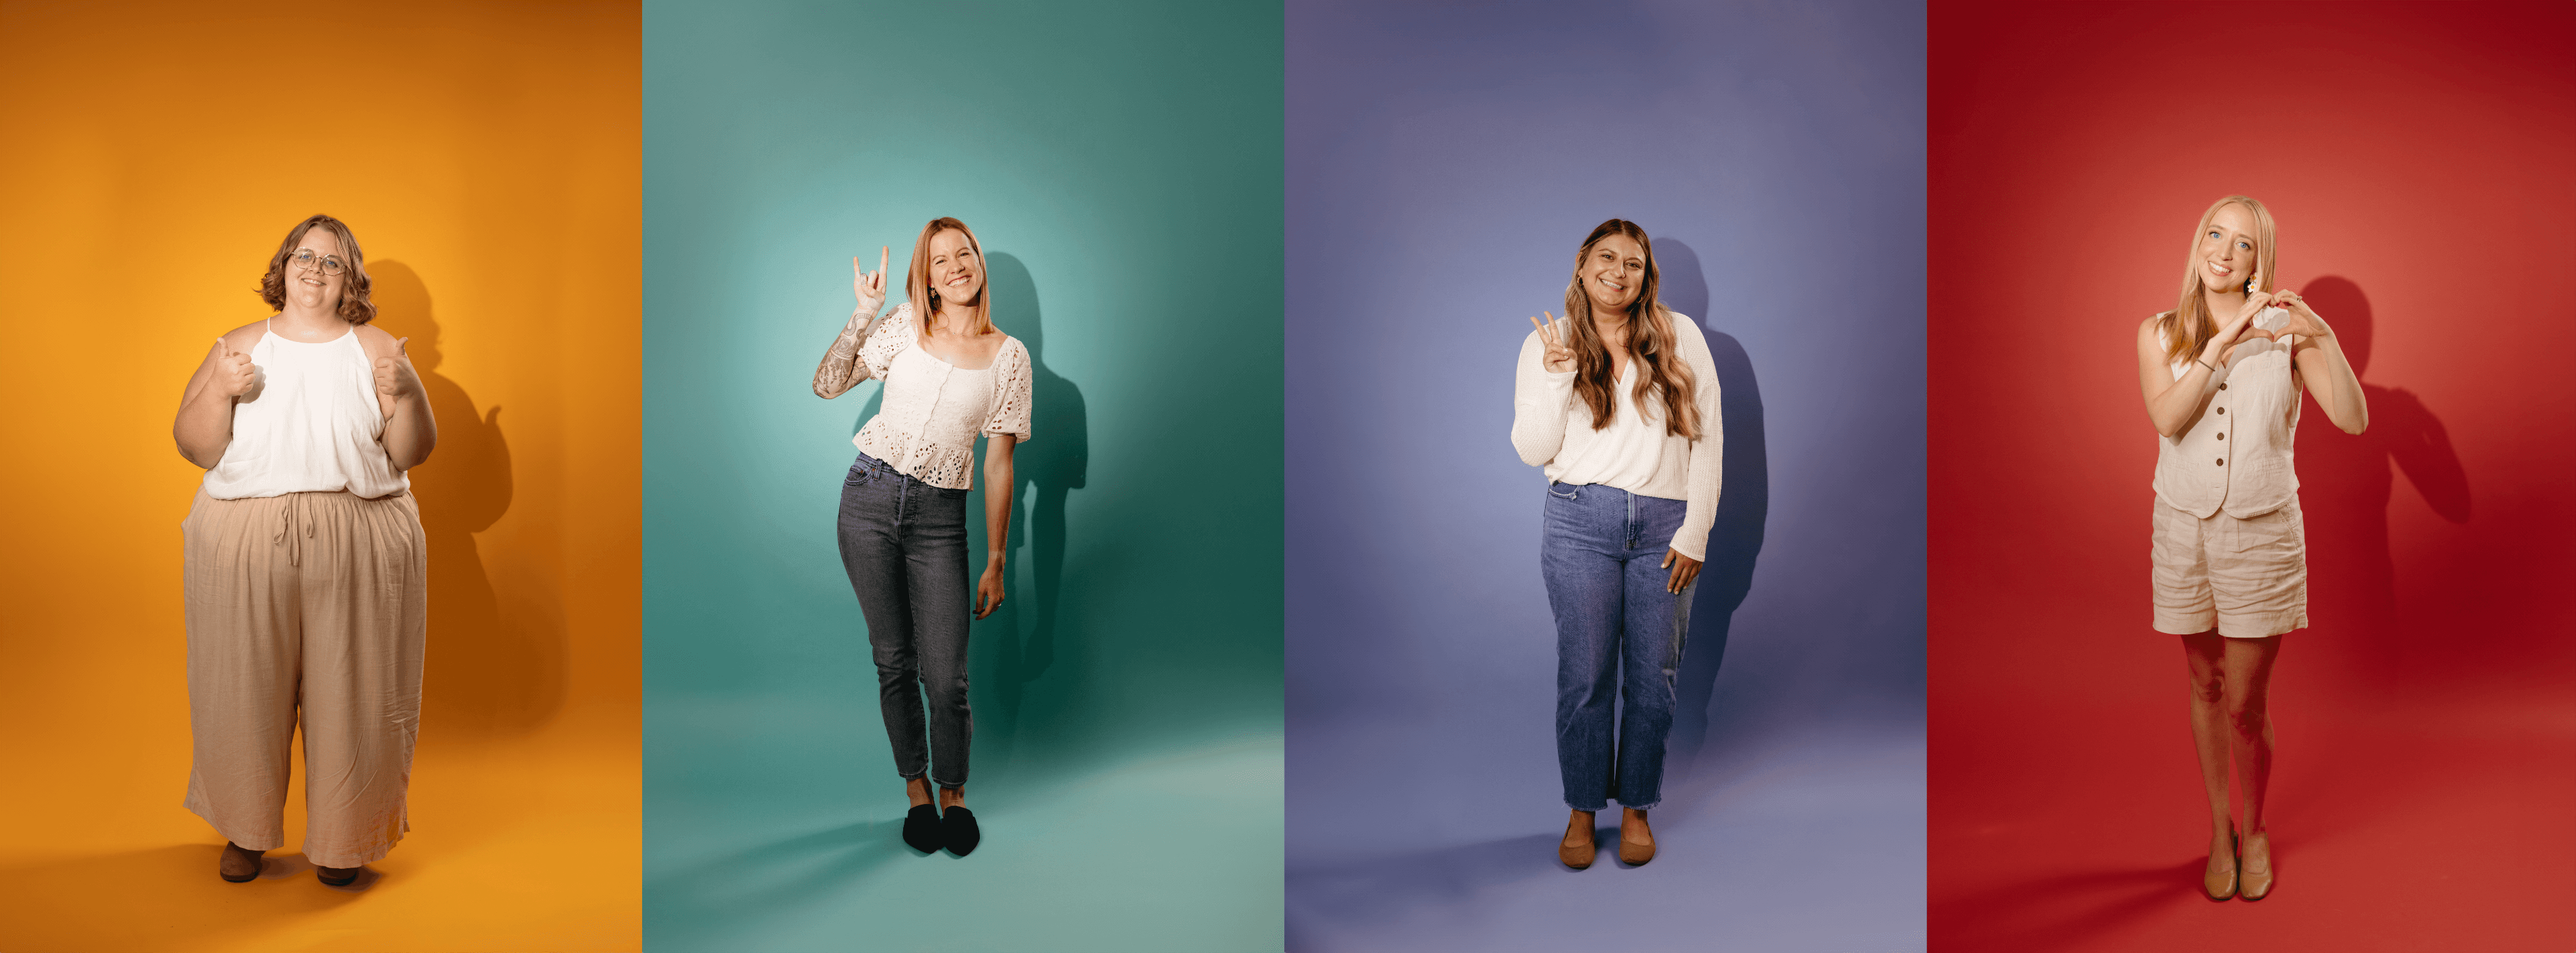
[(950, 376), (305, 569), (2221, 374), (1618, 401)]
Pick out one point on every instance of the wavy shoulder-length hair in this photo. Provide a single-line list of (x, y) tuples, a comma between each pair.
[(2189, 326), (916, 281), (1650, 337), (355, 306)]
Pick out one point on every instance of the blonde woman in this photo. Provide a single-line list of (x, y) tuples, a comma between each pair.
[(1618, 401), (304, 566), (2221, 374), (950, 376)]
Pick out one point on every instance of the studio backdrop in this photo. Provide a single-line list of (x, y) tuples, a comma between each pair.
[(2415, 159), (1446, 162), (485, 157), (1119, 163)]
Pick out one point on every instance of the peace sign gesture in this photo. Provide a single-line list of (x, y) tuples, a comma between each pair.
[(1559, 356)]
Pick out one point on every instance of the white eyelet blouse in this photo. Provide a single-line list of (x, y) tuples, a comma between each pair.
[(934, 410)]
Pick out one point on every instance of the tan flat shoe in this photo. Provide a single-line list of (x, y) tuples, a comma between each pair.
[(1577, 856), (1631, 852), (2220, 886), (2257, 883), (238, 864)]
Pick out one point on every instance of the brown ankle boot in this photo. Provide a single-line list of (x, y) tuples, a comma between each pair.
[(238, 864)]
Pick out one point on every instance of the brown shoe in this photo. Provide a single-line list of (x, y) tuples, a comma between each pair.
[(2220, 883), (1636, 840), (336, 876), (238, 864), (1576, 853), (2258, 875)]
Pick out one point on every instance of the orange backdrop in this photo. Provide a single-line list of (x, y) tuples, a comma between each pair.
[(486, 157)]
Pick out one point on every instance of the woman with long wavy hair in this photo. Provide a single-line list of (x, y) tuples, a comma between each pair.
[(950, 377), (1618, 400), (2221, 374)]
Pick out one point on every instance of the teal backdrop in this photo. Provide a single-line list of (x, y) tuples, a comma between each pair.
[(1121, 163)]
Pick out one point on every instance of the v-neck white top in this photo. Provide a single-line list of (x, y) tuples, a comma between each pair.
[(310, 423), (1552, 429), (934, 410)]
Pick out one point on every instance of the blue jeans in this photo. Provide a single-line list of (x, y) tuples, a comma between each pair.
[(1618, 632), (903, 542)]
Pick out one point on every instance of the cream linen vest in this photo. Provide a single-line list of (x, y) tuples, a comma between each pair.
[(2237, 456)]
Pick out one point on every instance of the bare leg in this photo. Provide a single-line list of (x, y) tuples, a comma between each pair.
[(917, 789), (2249, 722), (2206, 654), (951, 797)]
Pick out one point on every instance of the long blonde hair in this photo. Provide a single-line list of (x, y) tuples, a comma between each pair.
[(1650, 335), (925, 299), (2189, 326)]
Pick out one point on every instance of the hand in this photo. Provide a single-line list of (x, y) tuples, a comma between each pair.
[(1559, 357), (870, 285), (1685, 570), (988, 590), (234, 374), (394, 377), (2237, 328), (2303, 322)]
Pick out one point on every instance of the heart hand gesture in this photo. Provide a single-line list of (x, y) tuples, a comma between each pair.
[(870, 285), (2238, 328), (1558, 357), (2301, 321), (234, 373), (395, 378)]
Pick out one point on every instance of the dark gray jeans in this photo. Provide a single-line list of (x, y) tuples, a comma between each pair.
[(903, 543)]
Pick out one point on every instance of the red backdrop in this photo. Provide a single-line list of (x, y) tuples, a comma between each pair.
[(2417, 159)]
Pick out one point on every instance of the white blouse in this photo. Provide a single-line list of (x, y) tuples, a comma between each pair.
[(310, 423), (933, 410), (1551, 428)]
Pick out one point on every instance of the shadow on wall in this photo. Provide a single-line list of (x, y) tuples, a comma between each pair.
[(491, 671), (2346, 484), (1024, 640), (1012, 652), (1743, 505)]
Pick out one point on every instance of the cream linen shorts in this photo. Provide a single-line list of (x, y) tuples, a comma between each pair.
[(2247, 576)]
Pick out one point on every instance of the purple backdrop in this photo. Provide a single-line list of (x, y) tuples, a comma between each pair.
[(1443, 162)]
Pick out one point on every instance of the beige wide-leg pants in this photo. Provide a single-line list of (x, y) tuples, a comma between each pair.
[(310, 604)]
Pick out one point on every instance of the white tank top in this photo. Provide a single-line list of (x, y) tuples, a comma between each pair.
[(310, 423)]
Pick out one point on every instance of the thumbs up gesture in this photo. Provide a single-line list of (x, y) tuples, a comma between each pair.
[(234, 374), (394, 377)]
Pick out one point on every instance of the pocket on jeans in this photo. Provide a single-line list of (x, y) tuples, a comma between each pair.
[(858, 475), (1563, 491)]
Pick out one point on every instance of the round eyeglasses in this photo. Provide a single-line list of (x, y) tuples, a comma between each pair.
[(306, 259)]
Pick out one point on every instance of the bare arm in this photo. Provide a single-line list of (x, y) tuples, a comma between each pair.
[(204, 428), (2322, 367), (841, 368), (998, 494), (410, 430), (2175, 404)]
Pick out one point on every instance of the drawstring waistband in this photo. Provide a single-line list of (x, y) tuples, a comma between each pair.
[(286, 521)]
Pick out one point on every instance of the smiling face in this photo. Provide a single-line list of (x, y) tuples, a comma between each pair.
[(1613, 269), (2228, 250), (310, 285), (956, 272)]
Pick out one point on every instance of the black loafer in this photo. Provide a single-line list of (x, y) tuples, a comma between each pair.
[(957, 826), (921, 829)]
